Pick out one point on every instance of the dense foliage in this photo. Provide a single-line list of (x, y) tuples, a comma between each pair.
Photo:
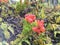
[(35, 24)]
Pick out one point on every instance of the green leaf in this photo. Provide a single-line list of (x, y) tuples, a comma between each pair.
[(55, 32), (49, 27), (1, 19), (15, 42), (54, 26), (20, 7), (26, 27), (12, 42), (10, 12), (34, 24), (43, 16), (11, 29), (7, 34), (4, 26), (58, 20)]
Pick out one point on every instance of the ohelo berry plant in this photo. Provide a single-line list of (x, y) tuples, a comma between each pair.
[(31, 23), (33, 27)]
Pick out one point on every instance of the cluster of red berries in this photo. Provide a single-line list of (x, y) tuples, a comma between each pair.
[(40, 23)]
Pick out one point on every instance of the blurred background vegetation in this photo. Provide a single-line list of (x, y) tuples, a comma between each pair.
[(47, 10)]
